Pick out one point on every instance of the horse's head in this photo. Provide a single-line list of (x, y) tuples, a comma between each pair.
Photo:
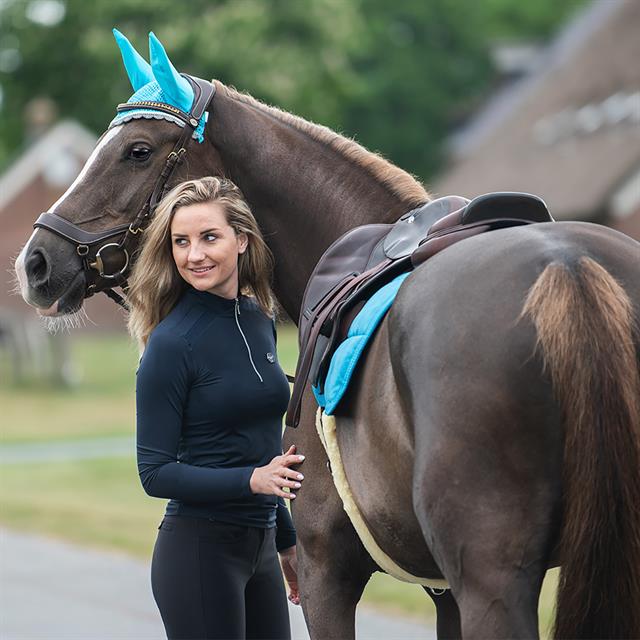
[(84, 243)]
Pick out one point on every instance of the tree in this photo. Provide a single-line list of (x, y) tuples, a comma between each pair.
[(396, 75)]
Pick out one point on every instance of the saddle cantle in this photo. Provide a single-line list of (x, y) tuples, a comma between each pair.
[(366, 258)]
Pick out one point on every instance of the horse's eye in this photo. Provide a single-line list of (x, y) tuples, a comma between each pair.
[(139, 152)]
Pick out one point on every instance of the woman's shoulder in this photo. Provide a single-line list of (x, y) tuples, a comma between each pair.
[(165, 335), (183, 321), (165, 348)]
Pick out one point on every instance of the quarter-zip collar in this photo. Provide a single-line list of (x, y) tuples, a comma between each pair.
[(223, 306)]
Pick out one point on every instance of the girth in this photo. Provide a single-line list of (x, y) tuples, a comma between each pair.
[(106, 261)]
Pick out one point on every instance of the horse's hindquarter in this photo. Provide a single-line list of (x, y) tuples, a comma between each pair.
[(376, 446), (462, 431), (488, 432)]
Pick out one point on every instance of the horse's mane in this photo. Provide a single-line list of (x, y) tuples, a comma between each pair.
[(397, 181)]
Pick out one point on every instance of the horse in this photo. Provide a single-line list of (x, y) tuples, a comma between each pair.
[(493, 429)]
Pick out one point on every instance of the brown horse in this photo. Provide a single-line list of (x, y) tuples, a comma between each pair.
[(493, 430)]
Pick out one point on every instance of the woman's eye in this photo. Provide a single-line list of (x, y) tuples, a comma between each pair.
[(210, 237), (139, 153), (180, 241)]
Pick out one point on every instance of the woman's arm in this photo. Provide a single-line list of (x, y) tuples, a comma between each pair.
[(286, 546), (162, 387), (285, 532)]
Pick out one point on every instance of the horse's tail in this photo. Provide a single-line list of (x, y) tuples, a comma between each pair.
[(586, 330)]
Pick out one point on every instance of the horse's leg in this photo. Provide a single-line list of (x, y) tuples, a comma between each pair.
[(333, 566), (491, 555), (447, 614)]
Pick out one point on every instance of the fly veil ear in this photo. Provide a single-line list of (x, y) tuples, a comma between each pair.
[(137, 68), (177, 89)]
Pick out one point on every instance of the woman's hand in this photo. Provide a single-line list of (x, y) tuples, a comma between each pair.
[(274, 477), (289, 564)]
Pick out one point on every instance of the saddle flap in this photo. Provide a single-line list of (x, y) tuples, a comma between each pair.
[(347, 256), (412, 227)]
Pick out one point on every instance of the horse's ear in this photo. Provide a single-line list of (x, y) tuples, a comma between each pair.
[(138, 69), (173, 85)]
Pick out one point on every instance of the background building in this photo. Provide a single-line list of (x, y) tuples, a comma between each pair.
[(568, 130)]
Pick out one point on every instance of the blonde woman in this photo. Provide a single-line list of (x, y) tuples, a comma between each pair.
[(210, 396)]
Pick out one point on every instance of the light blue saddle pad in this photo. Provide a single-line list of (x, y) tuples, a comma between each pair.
[(346, 356)]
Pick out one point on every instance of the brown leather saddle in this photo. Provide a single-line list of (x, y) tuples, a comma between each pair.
[(366, 258)]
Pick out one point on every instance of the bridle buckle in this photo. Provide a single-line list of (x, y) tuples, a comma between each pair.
[(98, 264)]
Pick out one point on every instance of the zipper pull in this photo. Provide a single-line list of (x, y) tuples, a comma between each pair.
[(237, 306)]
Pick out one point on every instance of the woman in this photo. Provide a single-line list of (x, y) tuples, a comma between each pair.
[(210, 396)]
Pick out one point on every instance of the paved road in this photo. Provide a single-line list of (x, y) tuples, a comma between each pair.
[(50, 589), (82, 449)]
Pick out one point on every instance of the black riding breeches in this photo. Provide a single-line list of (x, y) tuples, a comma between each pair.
[(217, 580)]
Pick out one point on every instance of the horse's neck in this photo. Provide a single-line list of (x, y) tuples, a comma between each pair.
[(304, 192)]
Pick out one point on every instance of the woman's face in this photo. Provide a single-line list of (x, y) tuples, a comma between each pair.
[(206, 249)]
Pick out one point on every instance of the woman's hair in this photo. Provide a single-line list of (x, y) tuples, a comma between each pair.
[(155, 284)]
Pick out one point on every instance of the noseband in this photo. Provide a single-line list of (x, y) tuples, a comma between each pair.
[(106, 261)]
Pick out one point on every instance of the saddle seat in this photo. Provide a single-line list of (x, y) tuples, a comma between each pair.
[(368, 257)]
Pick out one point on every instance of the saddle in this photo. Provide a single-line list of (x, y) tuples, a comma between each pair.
[(366, 258)]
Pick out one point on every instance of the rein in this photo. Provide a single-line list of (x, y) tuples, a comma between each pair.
[(106, 262)]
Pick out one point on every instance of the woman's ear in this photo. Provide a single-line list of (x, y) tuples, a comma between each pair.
[(243, 242)]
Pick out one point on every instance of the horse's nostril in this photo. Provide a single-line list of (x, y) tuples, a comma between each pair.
[(38, 268)]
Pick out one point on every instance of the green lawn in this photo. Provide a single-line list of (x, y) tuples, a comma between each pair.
[(101, 404), (100, 503)]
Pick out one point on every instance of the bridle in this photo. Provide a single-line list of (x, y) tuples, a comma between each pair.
[(106, 261)]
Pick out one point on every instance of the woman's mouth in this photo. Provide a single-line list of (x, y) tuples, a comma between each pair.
[(201, 270)]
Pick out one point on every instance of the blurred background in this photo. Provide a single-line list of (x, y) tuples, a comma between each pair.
[(519, 95)]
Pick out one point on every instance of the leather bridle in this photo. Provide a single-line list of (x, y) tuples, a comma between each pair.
[(106, 261)]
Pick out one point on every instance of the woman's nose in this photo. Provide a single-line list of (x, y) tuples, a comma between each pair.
[(195, 253)]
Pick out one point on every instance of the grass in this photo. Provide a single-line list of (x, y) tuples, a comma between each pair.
[(97, 503), (101, 404), (100, 503)]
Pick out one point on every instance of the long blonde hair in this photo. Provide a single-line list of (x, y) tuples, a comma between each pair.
[(155, 285)]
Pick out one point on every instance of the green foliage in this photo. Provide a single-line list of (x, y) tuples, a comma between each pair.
[(397, 75), (528, 20)]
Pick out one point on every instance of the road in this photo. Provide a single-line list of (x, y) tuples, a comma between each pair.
[(54, 590)]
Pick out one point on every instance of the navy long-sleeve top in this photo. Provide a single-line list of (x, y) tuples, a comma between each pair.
[(210, 396)]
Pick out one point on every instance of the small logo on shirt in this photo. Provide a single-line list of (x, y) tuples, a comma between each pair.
[(270, 357)]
